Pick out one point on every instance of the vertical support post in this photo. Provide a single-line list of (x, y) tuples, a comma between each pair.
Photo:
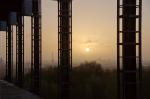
[(9, 53), (36, 46), (118, 53), (129, 55), (140, 50), (64, 48), (20, 50)]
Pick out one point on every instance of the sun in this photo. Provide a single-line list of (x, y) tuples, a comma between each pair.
[(87, 49)]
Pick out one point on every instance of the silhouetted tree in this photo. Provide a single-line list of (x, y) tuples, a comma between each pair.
[(89, 81)]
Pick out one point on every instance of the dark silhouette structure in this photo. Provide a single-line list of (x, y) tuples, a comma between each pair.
[(129, 63), (20, 50), (20, 47), (5, 10), (21, 8), (9, 53), (64, 48), (9, 43), (13, 6), (36, 46)]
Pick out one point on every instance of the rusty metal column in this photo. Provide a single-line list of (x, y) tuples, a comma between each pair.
[(129, 56), (64, 48), (36, 47)]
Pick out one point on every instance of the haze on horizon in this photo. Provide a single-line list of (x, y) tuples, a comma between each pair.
[(94, 29)]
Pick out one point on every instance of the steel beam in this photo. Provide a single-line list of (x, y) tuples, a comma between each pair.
[(129, 55), (9, 53), (20, 50), (36, 46), (64, 48)]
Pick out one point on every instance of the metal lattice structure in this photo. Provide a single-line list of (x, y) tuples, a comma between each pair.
[(129, 57), (20, 50), (36, 46), (64, 48), (9, 53)]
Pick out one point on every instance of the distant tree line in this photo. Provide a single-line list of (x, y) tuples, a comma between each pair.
[(89, 81)]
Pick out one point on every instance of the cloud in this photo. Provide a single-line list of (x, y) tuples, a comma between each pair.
[(91, 42)]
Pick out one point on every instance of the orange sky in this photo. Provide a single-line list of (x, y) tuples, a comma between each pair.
[(94, 26)]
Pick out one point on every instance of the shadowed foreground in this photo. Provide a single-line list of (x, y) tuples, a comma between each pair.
[(9, 91)]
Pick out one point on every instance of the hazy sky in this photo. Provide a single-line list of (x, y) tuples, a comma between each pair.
[(94, 27)]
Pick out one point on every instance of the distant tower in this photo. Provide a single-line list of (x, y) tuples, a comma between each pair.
[(36, 46), (129, 63), (64, 48)]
